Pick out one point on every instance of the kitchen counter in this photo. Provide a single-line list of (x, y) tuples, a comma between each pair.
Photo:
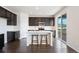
[(39, 32)]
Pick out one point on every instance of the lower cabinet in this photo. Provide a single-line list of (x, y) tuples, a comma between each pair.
[(1, 41), (12, 36)]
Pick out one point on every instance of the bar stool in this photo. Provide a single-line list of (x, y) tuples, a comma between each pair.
[(33, 40), (45, 39)]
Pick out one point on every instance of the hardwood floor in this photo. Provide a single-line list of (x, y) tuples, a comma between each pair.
[(19, 46)]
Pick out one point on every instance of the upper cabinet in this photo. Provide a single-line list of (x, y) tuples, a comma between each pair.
[(2, 12), (11, 17), (48, 21)]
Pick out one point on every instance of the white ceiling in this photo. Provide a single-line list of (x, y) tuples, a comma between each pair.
[(36, 10)]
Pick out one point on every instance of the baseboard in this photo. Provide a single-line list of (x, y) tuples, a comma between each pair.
[(72, 49)]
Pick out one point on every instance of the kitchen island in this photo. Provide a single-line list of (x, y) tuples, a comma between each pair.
[(39, 32)]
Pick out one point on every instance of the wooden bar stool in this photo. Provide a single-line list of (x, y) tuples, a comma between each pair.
[(34, 41), (45, 39)]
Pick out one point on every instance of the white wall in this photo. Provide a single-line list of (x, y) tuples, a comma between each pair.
[(3, 28), (23, 25), (73, 29), (72, 26)]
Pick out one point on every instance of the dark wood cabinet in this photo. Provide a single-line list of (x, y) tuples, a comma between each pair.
[(1, 41), (14, 19), (2, 12), (11, 36), (8, 14), (9, 20), (11, 17), (34, 21)]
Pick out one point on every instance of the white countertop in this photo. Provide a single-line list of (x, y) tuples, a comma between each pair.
[(39, 32)]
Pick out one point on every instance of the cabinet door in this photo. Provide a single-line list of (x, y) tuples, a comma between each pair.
[(47, 22), (14, 19), (32, 21), (36, 22), (51, 22), (1, 40), (10, 36), (8, 14), (9, 21), (2, 12)]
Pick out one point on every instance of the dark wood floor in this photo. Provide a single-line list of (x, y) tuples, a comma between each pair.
[(19, 46)]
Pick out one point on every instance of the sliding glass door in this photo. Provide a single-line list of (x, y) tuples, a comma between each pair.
[(59, 27), (62, 24)]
